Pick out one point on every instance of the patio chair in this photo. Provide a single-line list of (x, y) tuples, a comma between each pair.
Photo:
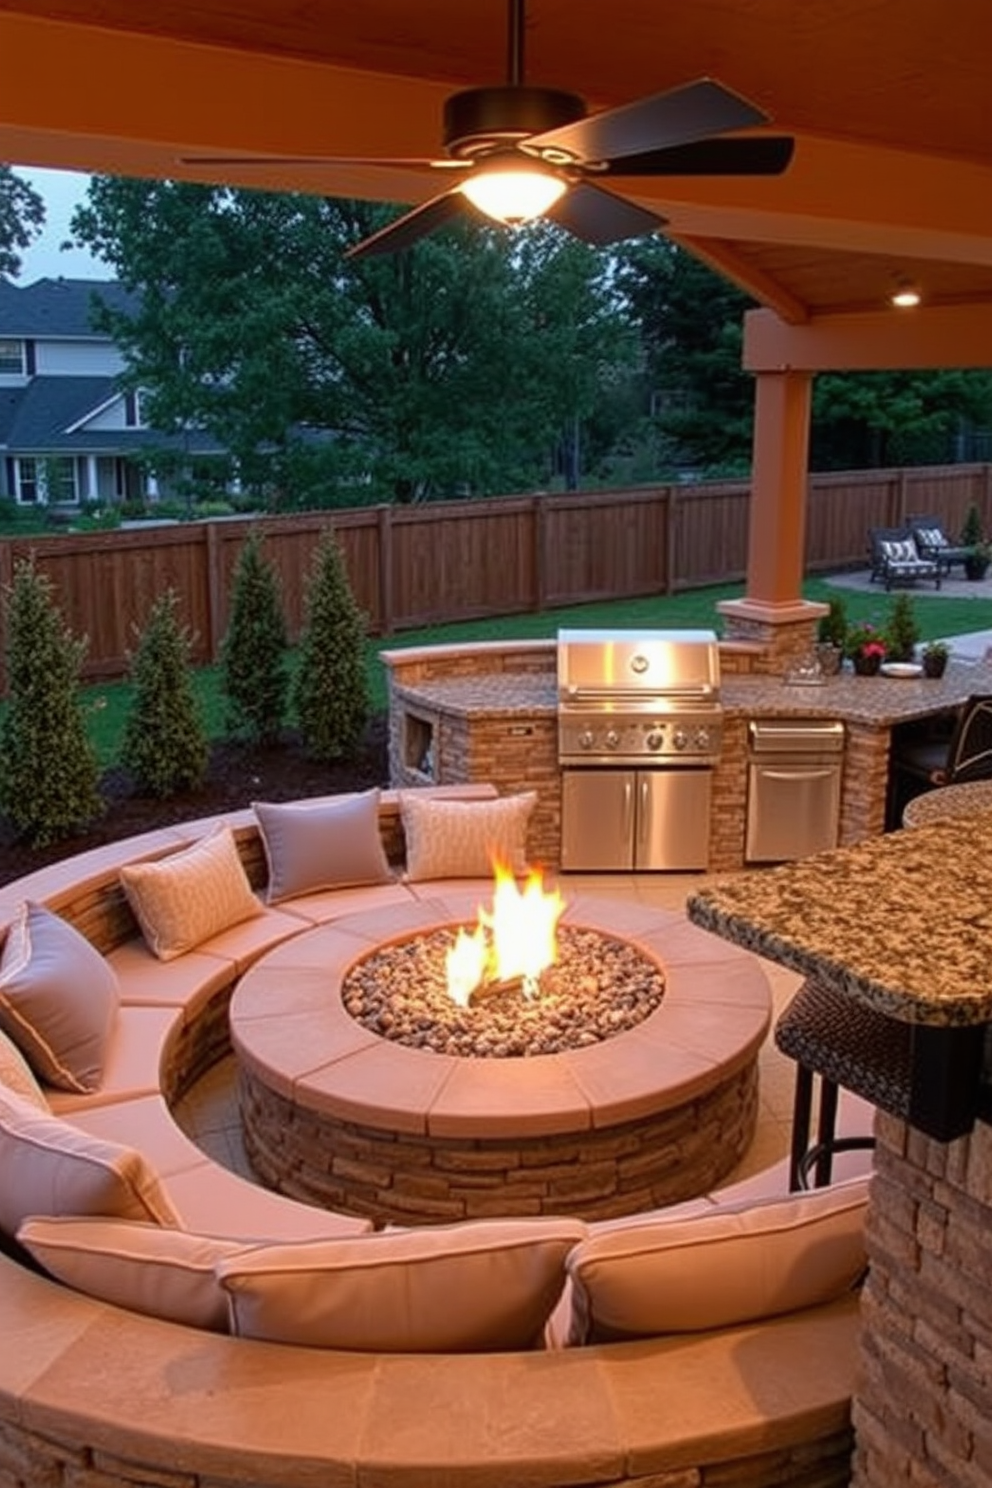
[(932, 542), (895, 558), (965, 754)]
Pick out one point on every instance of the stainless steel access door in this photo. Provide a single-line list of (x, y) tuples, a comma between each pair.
[(647, 820), (672, 820)]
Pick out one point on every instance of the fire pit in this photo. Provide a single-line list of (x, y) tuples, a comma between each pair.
[(516, 986), (339, 1114)]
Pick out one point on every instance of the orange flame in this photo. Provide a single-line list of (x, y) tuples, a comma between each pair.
[(515, 940)]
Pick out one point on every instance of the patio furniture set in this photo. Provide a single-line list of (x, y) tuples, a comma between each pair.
[(918, 550)]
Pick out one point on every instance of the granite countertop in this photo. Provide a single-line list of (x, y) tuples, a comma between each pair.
[(876, 701), (966, 799), (879, 701), (493, 693), (902, 922)]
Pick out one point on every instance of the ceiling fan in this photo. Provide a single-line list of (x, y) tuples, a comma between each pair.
[(520, 152)]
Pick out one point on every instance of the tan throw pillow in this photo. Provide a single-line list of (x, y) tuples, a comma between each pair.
[(463, 839), (49, 1167), (164, 1273), (311, 845), (473, 1287), (183, 899), (719, 1269), (15, 1074), (58, 999)]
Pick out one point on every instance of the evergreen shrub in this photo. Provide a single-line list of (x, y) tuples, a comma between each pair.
[(48, 768), (164, 745), (330, 689), (254, 674)]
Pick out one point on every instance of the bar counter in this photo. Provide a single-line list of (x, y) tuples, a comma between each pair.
[(902, 923)]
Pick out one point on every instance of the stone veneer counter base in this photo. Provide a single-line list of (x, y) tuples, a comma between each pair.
[(341, 1117)]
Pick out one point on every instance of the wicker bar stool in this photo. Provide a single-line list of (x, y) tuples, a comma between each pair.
[(834, 1038)]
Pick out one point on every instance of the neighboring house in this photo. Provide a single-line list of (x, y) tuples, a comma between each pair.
[(69, 431)]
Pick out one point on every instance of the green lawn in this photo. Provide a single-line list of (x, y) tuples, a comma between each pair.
[(108, 702)]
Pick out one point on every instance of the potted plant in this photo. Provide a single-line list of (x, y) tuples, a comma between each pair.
[(831, 633), (866, 647), (972, 537), (934, 657), (902, 630)]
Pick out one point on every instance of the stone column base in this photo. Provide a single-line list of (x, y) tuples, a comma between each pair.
[(787, 631)]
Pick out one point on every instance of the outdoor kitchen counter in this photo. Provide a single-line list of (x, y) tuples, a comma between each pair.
[(901, 924), (876, 702)]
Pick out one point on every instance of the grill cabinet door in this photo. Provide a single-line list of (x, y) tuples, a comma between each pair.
[(673, 820), (597, 820)]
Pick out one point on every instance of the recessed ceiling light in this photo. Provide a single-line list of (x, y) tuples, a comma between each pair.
[(905, 295)]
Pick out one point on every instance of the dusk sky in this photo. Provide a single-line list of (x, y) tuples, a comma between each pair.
[(61, 191)]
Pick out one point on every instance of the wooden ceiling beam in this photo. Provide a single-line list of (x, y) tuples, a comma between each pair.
[(762, 287), (939, 336)]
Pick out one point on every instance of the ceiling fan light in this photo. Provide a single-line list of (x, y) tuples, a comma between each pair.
[(512, 195)]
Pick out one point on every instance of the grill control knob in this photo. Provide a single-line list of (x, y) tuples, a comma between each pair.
[(655, 739), (702, 738), (680, 738), (586, 739), (612, 739)]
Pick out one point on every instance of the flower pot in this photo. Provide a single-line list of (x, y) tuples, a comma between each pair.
[(975, 568), (934, 666), (866, 666)]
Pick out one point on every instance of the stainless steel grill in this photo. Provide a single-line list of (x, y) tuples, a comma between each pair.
[(639, 730), (638, 695)]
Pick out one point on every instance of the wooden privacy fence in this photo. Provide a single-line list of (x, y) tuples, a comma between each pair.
[(426, 565)]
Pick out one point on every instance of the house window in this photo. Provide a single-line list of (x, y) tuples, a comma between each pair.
[(11, 356), (26, 481), (52, 480), (134, 417)]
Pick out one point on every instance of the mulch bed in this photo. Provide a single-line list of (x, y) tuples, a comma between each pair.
[(237, 776)]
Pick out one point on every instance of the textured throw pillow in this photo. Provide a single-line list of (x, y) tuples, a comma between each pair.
[(473, 1287), (49, 1167), (463, 839), (164, 1273), (719, 1269), (184, 899), (322, 844), (58, 999), (15, 1074)]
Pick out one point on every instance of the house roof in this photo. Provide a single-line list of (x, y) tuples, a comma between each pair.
[(888, 103), (60, 308), (35, 419)]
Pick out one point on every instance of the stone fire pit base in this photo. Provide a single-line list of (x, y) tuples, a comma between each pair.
[(339, 1117)]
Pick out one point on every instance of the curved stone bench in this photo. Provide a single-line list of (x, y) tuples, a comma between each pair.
[(90, 1391)]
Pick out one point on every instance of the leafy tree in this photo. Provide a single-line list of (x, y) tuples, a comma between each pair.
[(48, 769), (22, 216), (164, 744), (452, 367), (253, 652), (866, 419), (699, 398), (330, 688)]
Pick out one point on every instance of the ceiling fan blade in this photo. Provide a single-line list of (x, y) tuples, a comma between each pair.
[(411, 227), (761, 155), (598, 217), (674, 118), (413, 163)]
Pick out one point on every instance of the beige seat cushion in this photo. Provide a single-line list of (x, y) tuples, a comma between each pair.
[(183, 899), (477, 1286), (49, 1167), (16, 1074), (717, 1269), (162, 1272), (58, 999), (312, 845), (465, 839)]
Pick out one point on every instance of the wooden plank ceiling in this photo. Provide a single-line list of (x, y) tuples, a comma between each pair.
[(888, 101)]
